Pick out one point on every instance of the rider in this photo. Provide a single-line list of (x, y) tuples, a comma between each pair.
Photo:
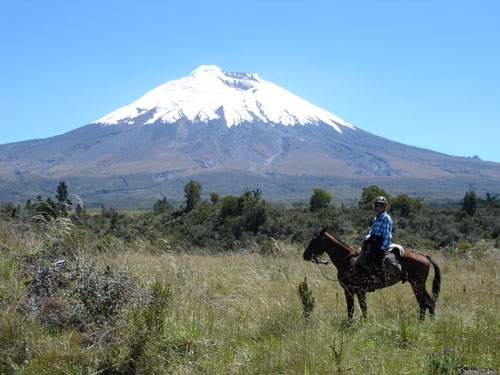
[(378, 240)]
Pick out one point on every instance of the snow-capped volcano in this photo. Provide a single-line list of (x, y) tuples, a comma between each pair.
[(229, 132), (210, 93)]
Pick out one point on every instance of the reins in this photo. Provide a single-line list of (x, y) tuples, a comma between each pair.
[(317, 261), (325, 262)]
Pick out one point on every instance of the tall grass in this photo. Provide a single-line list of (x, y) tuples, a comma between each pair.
[(241, 313)]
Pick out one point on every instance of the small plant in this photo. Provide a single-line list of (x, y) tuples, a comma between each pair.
[(443, 364), (307, 299), (338, 354), (154, 313), (101, 294)]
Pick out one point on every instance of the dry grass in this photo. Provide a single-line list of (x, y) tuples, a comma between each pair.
[(242, 314)]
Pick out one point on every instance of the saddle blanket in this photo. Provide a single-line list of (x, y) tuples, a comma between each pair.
[(391, 262)]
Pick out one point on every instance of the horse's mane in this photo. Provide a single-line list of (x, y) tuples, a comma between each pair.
[(344, 243)]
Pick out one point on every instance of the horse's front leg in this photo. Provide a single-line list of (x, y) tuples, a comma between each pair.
[(349, 297), (362, 302)]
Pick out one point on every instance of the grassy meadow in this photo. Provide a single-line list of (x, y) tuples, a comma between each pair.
[(68, 306)]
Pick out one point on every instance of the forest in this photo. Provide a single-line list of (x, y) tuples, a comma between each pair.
[(233, 223)]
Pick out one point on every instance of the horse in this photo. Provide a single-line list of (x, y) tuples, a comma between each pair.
[(415, 269)]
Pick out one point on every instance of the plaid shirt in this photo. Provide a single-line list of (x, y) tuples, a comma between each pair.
[(382, 226)]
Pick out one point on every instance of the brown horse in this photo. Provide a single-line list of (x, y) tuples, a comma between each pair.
[(415, 269)]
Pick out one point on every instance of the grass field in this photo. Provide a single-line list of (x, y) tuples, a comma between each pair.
[(242, 314)]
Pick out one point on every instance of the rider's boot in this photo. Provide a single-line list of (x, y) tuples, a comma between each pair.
[(373, 278), (370, 280)]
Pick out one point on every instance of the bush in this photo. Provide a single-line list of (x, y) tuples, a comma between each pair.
[(307, 298)]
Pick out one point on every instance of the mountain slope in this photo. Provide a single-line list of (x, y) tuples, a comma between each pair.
[(223, 130)]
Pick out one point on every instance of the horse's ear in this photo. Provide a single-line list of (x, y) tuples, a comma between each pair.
[(323, 230)]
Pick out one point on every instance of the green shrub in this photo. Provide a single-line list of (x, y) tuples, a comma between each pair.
[(443, 364), (102, 294), (307, 298)]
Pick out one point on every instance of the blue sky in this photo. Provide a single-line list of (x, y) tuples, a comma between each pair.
[(424, 73)]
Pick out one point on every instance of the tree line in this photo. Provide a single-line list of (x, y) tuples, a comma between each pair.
[(248, 221)]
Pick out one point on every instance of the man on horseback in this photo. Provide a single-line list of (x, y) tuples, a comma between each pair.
[(377, 242)]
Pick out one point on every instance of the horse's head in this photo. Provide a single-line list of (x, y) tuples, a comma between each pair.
[(316, 246)]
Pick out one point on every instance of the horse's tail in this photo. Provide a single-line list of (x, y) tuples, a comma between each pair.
[(436, 283)]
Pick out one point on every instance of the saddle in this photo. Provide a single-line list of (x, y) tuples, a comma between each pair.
[(390, 265), (398, 251)]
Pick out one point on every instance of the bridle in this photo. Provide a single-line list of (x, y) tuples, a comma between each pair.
[(315, 257), (325, 262), (317, 261)]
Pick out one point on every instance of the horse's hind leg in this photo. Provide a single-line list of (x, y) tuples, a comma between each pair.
[(431, 304), (426, 303), (423, 298)]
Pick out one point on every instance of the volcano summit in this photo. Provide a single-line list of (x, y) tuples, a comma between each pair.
[(209, 93)]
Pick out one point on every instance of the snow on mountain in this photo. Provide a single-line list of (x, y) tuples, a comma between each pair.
[(209, 93)]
